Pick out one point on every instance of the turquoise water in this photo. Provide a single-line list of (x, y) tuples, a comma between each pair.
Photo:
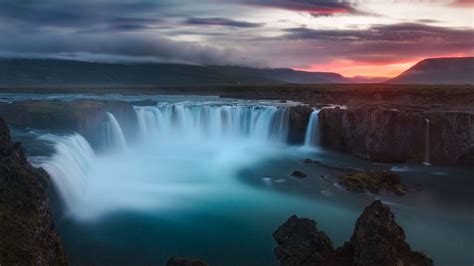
[(219, 198)]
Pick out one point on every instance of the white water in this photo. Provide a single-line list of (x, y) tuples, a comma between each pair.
[(186, 154), (219, 121), (70, 166), (312, 137), (113, 134)]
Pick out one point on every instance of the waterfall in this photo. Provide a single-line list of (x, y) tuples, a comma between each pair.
[(427, 142), (69, 166), (193, 120), (113, 133), (312, 136)]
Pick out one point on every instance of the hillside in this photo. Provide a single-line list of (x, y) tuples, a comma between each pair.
[(453, 71), (65, 72)]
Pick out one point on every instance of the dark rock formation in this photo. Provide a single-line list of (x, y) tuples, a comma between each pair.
[(176, 261), (27, 234), (300, 243), (84, 117), (387, 135), (298, 122), (299, 174), (377, 240), (373, 182)]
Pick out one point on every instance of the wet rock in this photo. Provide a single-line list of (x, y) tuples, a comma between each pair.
[(177, 261), (299, 174), (147, 102), (308, 161), (27, 234), (373, 182), (83, 116), (300, 243), (388, 135), (377, 240), (298, 121)]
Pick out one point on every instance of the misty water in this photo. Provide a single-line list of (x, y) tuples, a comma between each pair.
[(209, 178)]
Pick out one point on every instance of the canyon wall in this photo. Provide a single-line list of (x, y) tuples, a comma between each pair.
[(390, 135)]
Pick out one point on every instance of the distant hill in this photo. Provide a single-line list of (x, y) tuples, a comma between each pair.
[(455, 70), (66, 72)]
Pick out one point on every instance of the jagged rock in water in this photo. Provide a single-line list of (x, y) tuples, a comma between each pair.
[(373, 182), (299, 174), (377, 240), (27, 234), (176, 261), (300, 243), (298, 121)]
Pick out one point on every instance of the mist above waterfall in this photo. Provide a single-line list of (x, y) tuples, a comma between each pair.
[(184, 153)]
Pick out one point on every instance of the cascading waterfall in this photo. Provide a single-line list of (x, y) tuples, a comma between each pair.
[(427, 142), (312, 137), (212, 140), (69, 166), (219, 121), (113, 133)]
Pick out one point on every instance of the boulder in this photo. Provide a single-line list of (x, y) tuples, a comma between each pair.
[(300, 243), (373, 182), (379, 240), (27, 231), (299, 174)]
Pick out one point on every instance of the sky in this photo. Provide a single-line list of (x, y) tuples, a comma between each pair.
[(375, 38)]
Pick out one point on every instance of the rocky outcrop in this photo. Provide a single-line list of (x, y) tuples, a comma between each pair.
[(27, 234), (177, 261), (377, 240), (388, 135), (298, 122), (83, 116), (300, 243), (373, 182)]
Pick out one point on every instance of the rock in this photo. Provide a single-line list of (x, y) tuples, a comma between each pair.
[(299, 174), (83, 116), (308, 161), (147, 102), (387, 135), (377, 240), (373, 182), (300, 243), (298, 122), (27, 231), (176, 261)]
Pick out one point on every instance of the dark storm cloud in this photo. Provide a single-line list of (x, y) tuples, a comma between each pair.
[(316, 8), (222, 22)]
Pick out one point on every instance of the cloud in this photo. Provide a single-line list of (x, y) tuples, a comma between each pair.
[(222, 22), (315, 8)]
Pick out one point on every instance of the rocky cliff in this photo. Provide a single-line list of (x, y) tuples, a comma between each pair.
[(84, 116), (27, 234), (377, 240), (390, 135)]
